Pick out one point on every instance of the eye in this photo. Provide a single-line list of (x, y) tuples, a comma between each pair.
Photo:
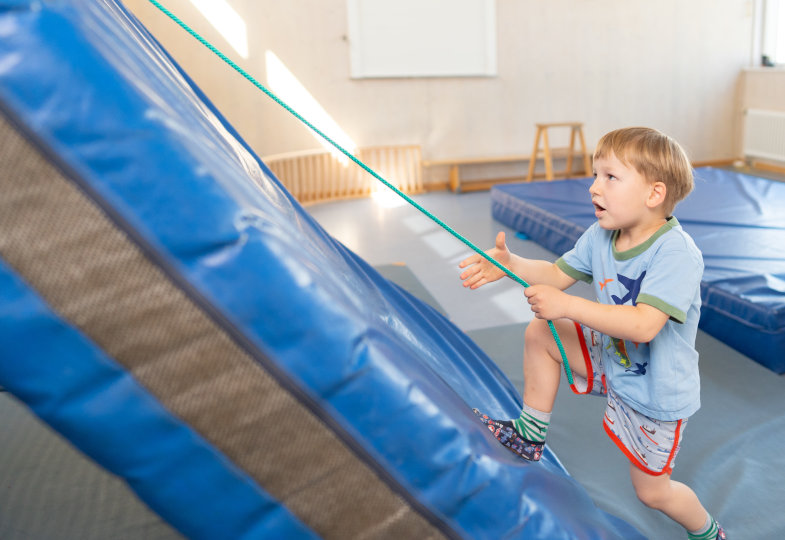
[(611, 177)]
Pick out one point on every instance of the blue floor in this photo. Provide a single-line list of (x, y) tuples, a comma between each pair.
[(732, 451)]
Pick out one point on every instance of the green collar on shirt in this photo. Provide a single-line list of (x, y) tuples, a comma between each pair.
[(640, 248)]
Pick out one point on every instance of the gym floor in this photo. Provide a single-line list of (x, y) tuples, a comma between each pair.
[(732, 448), (731, 455)]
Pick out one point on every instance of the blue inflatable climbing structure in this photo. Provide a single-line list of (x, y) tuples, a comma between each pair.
[(170, 309)]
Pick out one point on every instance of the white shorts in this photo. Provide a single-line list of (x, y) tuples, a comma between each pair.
[(648, 443)]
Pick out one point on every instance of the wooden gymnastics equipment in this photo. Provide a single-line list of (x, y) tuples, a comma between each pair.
[(454, 182), (318, 175), (548, 153)]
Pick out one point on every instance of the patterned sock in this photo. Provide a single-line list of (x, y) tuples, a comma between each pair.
[(710, 531), (532, 424), (507, 435)]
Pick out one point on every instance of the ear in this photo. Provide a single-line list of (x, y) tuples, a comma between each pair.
[(657, 192)]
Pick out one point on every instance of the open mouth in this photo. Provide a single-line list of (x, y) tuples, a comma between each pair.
[(597, 208)]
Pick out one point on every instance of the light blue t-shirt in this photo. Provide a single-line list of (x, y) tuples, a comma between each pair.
[(659, 379)]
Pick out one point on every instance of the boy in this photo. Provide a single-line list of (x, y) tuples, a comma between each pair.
[(636, 345)]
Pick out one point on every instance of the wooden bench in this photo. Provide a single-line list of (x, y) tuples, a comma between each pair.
[(547, 154), (455, 165), (457, 185)]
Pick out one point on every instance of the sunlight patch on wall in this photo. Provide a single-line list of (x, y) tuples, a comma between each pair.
[(291, 91), (227, 21)]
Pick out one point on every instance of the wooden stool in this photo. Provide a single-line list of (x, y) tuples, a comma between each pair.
[(548, 153)]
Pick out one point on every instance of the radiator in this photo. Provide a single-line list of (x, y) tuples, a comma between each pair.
[(764, 134), (321, 175)]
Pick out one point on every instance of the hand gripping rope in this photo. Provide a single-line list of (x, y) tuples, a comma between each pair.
[(408, 199)]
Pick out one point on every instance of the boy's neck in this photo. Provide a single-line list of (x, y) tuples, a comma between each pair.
[(634, 236)]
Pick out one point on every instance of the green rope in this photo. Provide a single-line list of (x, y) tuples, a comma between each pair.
[(349, 155)]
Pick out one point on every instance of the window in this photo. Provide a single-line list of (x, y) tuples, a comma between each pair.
[(773, 32)]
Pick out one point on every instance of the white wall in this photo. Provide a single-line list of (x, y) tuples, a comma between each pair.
[(672, 64)]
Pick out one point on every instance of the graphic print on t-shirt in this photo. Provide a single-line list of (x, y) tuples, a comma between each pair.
[(619, 347), (633, 288)]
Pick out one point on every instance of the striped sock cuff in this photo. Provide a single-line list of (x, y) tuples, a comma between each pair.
[(709, 533), (531, 428)]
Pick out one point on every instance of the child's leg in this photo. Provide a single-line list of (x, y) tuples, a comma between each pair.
[(542, 366), (542, 361), (674, 499)]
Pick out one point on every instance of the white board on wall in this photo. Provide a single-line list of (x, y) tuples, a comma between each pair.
[(422, 38)]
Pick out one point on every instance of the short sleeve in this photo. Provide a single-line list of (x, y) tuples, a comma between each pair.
[(673, 278), (577, 262)]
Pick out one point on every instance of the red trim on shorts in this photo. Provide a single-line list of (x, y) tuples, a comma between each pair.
[(676, 437), (668, 469), (586, 360)]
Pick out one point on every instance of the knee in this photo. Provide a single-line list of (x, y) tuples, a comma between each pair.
[(537, 334), (538, 341), (653, 496)]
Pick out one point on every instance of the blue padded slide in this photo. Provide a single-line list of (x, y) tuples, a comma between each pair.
[(170, 309), (735, 219)]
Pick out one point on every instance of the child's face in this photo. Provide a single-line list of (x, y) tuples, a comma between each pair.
[(619, 194)]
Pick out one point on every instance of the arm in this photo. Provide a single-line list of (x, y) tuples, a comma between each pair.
[(640, 323), (479, 271)]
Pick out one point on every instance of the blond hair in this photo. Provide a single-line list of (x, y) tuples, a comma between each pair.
[(657, 157)]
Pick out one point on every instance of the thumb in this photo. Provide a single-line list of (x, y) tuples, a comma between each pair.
[(500, 241)]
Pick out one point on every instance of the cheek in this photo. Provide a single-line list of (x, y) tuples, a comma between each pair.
[(625, 194), (614, 194)]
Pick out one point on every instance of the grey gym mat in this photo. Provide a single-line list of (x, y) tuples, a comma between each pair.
[(402, 276), (49, 490)]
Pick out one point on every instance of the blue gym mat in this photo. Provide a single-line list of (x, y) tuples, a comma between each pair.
[(736, 220), (171, 310)]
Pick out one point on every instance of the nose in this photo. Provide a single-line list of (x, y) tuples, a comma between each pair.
[(594, 188)]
